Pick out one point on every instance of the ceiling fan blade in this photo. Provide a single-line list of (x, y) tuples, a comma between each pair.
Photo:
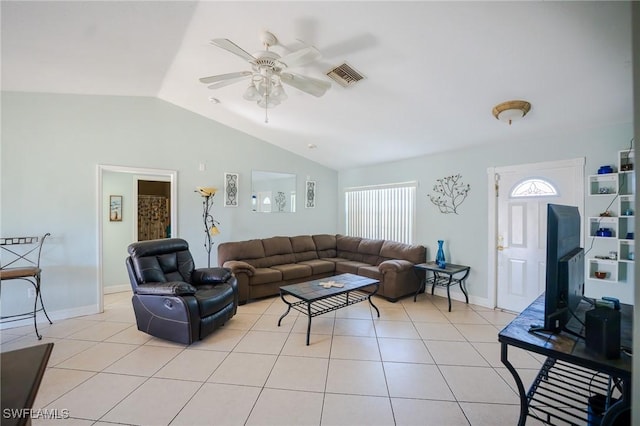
[(223, 77), (226, 82), (230, 46), (310, 85), (300, 57)]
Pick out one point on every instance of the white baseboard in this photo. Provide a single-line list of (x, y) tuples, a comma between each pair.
[(116, 288), (54, 315)]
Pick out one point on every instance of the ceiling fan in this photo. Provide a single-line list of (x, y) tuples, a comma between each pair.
[(268, 72)]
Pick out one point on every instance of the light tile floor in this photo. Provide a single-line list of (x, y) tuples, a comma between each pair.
[(415, 365)]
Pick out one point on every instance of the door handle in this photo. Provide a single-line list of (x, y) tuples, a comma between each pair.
[(500, 248)]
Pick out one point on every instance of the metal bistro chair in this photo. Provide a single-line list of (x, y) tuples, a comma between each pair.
[(23, 264)]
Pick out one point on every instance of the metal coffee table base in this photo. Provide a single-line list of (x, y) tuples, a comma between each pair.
[(319, 301)]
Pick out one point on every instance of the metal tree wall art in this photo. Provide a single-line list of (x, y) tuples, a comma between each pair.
[(450, 192), (210, 228)]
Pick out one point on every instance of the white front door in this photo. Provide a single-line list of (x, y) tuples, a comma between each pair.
[(523, 194)]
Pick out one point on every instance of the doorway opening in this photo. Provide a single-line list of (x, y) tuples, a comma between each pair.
[(115, 236), (154, 209)]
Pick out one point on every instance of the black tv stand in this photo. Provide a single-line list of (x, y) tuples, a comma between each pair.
[(572, 379)]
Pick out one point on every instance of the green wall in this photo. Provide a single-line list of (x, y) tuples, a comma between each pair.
[(52, 146), (465, 234)]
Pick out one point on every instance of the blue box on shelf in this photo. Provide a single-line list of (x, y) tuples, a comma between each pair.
[(604, 232), (603, 170)]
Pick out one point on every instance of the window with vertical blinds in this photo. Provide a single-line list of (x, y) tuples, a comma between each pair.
[(385, 212)]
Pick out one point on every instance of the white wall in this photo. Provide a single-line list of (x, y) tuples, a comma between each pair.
[(116, 235), (465, 234), (52, 144)]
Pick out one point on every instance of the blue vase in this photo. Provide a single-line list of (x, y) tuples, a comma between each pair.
[(440, 260)]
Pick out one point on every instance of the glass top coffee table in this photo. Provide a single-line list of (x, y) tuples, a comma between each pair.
[(314, 299)]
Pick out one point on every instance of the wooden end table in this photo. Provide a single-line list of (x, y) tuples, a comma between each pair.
[(450, 275)]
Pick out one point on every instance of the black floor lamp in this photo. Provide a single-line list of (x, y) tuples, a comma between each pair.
[(210, 228)]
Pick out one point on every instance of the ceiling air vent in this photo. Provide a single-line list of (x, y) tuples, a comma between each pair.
[(345, 75)]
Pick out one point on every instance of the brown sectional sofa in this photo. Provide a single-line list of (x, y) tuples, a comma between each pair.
[(262, 266)]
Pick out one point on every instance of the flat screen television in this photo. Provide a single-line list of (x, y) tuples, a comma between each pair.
[(565, 266)]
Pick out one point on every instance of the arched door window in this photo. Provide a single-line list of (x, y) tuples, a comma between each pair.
[(534, 187)]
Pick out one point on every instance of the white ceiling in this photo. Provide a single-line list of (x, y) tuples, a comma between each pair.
[(434, 70)]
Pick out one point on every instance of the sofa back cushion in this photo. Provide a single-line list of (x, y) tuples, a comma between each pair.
[(359, 249), (303, 248), (277, 251), (325, 245), (247, 251), (396, 250), (347, 247), (283, 250), (370, 250)]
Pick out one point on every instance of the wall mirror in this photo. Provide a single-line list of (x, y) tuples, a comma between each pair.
[(273, 192)]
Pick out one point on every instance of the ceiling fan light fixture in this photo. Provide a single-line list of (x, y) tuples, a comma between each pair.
[(510, 111), (267, 76), (278, 92), (251, 94)]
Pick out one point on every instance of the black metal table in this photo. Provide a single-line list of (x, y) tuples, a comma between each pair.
[(443, 277), (571, 375), (314, 299)]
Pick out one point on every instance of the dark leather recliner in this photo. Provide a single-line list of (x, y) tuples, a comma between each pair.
[(171, 299)]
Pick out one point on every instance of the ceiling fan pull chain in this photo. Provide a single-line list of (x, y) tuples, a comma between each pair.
[(266, 97)]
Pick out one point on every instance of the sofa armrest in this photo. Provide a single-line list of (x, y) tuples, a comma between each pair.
[(395, 265), (238, 267), (171, 288), (210, 275)]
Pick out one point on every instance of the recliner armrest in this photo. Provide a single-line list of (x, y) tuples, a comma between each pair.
[(396, 265), (238, 266), (171, 288), (210, 275)]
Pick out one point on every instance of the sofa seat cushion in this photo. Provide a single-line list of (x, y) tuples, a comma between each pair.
[(265, 276), (370, 272), (292, 271), (349, 266), (319, 266), (212, 298), (276, 259)]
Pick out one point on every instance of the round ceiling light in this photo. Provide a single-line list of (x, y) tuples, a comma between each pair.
[(511, 110)]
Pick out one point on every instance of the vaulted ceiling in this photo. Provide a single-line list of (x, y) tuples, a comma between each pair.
[(433, 70)]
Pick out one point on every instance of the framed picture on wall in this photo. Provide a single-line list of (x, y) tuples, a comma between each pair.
[(115, 208), (310, 194), (231, 189)]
